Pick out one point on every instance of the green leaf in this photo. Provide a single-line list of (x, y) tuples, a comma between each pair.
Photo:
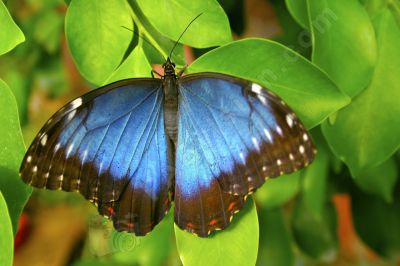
[(171, 18), (163, 45), (292, 35), (377, 223), (275, 240), (6, 233), (10, 34), (314, 218), (373, 7), (136, 65), (277, 191), (347, 53), (379, 180), (298, 10), (311, 94), (49, 29), (235, 245), (19, 83), (366, 133), (15, 192), (314, 183), (96, 36), (316, 234), (394, 7)]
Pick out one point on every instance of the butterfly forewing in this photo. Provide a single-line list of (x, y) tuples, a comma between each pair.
[(111, 146)]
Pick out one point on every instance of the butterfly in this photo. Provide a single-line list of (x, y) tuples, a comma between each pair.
[(204, 141)]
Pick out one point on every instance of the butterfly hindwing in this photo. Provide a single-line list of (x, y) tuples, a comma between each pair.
[(111, 146), (200, 204), (232, 134)]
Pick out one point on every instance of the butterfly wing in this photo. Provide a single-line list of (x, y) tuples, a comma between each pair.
[(201, 206), (232, 136), (111, 146)]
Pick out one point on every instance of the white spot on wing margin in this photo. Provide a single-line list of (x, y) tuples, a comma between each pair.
[(289, 120), (256, 88), (76, 103), (43, 141)]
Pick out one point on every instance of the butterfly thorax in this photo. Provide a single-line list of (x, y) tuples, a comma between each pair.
[(170, 85)]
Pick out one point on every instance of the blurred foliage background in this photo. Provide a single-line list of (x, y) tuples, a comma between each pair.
[(337, 64)]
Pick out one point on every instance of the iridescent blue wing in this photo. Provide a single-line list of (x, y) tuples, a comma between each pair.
[(232, 136), (201, 206), (111, 146)]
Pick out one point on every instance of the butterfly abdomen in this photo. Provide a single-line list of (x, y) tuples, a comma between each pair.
[(171, 107)]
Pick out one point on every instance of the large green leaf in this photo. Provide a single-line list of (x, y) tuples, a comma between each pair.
[(96, 36), (344, 43), (171, 18), (275, 240), (366, 133), (6, 235), (136, 65), (277, 191), (379, 180), (378, 223), (12, 149), (10, 34), (311, 94), (235, 245)]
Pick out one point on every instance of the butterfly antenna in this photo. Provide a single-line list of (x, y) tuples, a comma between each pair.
[(142, 37), (176, 43)]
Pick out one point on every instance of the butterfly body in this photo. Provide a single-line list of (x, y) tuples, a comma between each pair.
[(204, 141), (171, 94)]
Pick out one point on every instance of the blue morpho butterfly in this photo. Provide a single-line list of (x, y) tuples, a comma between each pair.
[(204, 140)]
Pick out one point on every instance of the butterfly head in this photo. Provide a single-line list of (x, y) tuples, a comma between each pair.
[(169, 68)]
